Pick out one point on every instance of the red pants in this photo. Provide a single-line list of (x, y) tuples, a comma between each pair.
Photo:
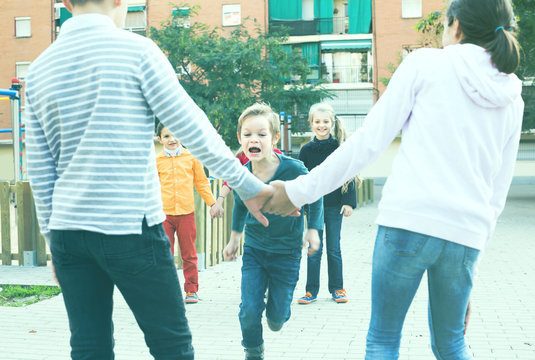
[(184, 226)]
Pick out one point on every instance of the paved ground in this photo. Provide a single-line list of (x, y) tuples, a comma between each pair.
[(502, 324)]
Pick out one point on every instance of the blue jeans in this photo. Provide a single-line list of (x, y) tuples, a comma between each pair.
[(400, 259), (333, 226), (88, 266), (260, 270)]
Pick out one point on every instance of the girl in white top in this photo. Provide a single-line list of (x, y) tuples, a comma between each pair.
[(460, 112)]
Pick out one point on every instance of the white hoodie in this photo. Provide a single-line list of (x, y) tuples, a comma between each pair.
[(460, 120)]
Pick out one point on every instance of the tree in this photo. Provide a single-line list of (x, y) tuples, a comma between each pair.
[(525, 13), (224, 75)]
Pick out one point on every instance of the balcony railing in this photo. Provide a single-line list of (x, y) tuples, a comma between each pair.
[(334, 25), (347, 74), (338, 74)]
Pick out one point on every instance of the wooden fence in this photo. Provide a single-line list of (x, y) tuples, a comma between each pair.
[(31, 246), (212, 235)]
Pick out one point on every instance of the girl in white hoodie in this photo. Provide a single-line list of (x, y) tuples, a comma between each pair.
[(460, 112)]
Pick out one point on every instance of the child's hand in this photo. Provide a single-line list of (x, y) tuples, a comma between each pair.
[(230, 251), (346, 210), (216, 210), (313, 240)]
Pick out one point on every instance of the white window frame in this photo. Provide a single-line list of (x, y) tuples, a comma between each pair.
[(138, 29), (231, 15), (411, 9), (20, 32), (19, 73)]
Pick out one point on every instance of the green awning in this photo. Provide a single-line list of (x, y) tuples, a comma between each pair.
[(64, 15), (136, 8), (346, 44)]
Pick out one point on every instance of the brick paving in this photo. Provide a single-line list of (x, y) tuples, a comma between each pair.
[(502, 325)]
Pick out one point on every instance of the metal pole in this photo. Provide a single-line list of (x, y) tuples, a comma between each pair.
[(15, 125), (281, 131), (289, 134)]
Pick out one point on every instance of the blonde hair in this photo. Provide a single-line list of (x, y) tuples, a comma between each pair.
[(339, 131), (263, 110)]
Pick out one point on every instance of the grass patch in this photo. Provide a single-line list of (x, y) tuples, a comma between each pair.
[(22, 295)]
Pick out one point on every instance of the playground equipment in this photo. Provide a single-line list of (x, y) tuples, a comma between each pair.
[(286, 133), (13, 94)]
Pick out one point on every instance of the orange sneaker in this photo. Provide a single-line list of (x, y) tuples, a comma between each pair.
[(191, 298), (340, 296), (307, 299)]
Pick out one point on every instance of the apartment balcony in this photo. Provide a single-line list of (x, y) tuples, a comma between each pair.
[(319, 26)]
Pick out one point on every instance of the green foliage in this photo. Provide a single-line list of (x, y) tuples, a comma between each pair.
[(391, 69), (431, 28), (525, 13), (21, 295), (224, 75)]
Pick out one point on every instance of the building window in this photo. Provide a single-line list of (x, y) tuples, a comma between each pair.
[(411, 8), (136, 20), (231, 15), (181, 17), (21, 68), (23, 27)]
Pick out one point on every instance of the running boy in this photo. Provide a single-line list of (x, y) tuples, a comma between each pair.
[(179, 171), (272, 255), (90, 103)]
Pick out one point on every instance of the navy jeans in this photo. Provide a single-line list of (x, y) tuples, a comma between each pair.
[(400, 258), (333, 226), (278, 273), (88, 266)]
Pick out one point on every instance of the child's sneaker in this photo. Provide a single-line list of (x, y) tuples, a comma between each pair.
[(307, 299), (256, 353), (191, 298), (340, 296)]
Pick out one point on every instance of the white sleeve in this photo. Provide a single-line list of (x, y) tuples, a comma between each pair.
[(381, 126)]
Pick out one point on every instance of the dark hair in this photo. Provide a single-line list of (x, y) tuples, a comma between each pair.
[(159, 129), (489, 24)]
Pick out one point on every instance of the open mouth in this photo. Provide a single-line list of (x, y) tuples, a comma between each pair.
[(254, 150)]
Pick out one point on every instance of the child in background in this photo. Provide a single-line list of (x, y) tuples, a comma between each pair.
[(179, 171), (336, 204), (272, 255)]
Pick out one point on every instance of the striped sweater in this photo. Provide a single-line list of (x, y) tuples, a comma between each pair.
[(90, 103)]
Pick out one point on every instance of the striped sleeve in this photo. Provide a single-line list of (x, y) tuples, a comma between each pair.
[(179, 113), (41, 167)]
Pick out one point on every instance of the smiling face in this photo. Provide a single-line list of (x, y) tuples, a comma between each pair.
[(256, 138), (321, 125), (168, 140)]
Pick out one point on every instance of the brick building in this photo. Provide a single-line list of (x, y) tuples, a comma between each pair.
[(27, 31)]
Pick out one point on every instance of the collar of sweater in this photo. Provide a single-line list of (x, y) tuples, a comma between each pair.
[(329, 144)]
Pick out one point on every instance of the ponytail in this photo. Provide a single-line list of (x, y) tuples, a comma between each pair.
[(340, 133), (489, 24), (505, 51)]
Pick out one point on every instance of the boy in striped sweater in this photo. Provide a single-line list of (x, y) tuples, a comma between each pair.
[(90, 103)]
